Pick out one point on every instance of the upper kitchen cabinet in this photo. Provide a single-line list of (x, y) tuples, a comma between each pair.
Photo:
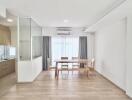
[(5, 35)]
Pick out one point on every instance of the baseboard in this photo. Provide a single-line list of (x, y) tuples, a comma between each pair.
[(110, 81), (129, 95)]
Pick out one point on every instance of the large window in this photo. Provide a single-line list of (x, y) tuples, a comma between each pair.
[(64, 46)]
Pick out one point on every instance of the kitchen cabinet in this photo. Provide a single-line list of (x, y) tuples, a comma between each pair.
[(5, 35), (7, 67)]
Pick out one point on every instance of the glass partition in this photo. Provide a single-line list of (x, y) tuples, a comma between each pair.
[(36, 32), (29, 39), (24, 39), (36, 46)]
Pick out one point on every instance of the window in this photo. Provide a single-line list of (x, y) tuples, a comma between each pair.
[(64, 46), (7, 52), (12, 51), (1, 52)]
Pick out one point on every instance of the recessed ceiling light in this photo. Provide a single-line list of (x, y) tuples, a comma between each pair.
[(9, 20), (66, 21)]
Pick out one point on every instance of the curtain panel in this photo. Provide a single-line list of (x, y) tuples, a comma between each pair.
[(46, 51), (83, 48)]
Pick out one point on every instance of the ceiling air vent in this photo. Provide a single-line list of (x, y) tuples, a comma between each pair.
[(63, 30)]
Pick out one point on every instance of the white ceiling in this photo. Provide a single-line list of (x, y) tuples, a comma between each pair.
[(121, 12), (51, 13), (3, 20)]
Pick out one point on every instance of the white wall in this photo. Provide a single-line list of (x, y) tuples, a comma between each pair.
[(109, 46), (111, 52), (29, 70), (91, 45), (13, 35), (2, 11), (129, 57), (109, 22)]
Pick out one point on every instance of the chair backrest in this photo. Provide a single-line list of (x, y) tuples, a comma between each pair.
[(74, 58), (75, 64), (64, 58), (64, 64), (93, 62)]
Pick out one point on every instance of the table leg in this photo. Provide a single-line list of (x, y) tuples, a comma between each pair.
[(87, 70), (56, 70)]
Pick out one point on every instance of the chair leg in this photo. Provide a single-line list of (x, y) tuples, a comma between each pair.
[(88, 73), (58, 74), (72, 70)]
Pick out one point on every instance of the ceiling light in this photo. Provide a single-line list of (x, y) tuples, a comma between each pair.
[(66, 21), (10, 20)]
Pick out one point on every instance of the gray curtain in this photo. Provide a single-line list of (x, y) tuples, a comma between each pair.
[(83, 48), (46, 51)]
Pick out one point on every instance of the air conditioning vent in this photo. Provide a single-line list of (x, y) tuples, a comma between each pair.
[(63, 30), (63, 33)]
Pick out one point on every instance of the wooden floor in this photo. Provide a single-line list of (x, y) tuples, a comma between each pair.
[(68, 87), (7, 82)]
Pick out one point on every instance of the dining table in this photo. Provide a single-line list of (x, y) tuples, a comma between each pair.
[(79, 61)]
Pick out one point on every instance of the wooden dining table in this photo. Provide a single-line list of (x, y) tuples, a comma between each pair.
[(80, 61)]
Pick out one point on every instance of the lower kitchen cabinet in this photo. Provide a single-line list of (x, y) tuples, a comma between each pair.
[(7, 67)]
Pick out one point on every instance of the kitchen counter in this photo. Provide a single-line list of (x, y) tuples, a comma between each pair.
[(6, 59), (7, 67)]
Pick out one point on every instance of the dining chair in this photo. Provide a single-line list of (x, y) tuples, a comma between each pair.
[(91, 64), (88, 65), (75, 66), (85, 70), (64, 66)]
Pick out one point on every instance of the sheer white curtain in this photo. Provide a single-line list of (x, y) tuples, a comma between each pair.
[(64, 47)]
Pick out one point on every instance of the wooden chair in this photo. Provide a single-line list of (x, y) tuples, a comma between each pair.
[(85, 70), (64, 66), (91, 64), (75, 66), (88, 67)]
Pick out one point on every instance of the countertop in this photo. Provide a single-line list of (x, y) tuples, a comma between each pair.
[(6, 59)]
